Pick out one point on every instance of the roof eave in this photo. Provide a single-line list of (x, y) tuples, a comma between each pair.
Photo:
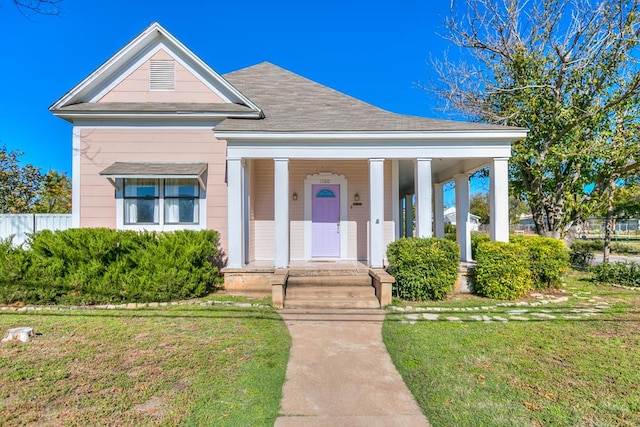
[(176, 115), (510, 135)]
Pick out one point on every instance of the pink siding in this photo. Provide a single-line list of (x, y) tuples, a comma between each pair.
[(357, 174), (102, 147), (261, 216), (135, 87)]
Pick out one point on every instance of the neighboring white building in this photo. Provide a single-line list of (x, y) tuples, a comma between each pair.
[(450, 217)]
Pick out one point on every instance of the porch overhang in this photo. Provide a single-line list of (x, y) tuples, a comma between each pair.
[(155, 170)]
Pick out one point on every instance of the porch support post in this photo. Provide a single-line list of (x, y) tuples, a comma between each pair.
[(402, 221), (424, 208), (376, 213), (281, 212), (463, 228), (408, 215), (395, 198), (499, 200), (438, 209), (235, 238)]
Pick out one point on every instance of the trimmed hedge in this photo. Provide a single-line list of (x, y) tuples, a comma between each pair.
[(619, 273), (503, 270), (424, 269), (548, 258), (617, 247), (97, 266)]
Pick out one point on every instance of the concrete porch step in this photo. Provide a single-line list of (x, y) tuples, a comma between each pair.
[(330, 292), (337, 292), (329, 281), (336, 303)]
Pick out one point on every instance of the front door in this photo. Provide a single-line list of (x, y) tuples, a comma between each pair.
[(325, 221)]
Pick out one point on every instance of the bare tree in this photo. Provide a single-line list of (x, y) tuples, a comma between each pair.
[(565, 69), (42, 7)]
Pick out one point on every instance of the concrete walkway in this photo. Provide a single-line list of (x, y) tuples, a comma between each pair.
[(340, 374)]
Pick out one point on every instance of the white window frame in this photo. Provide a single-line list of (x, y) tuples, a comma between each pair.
[(161, 226)]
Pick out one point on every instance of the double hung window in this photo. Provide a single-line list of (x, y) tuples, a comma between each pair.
[(161, 201)]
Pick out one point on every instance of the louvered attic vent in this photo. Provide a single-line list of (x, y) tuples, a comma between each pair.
[(162, 75)]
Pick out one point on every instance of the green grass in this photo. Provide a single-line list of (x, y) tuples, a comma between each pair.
[(548, 372), (189, 365)]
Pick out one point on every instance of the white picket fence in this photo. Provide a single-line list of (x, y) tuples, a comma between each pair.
[(19, 225)]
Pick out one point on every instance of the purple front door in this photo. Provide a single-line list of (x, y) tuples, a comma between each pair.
[(325, 221)]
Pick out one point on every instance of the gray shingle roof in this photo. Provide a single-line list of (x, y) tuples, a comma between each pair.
[(153, 169), (292, 103), (151, 107)]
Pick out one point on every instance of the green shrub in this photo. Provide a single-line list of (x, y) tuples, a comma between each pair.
[(477, 238), (90, 266), (424, 269), (503, 270), (617, 247), (619, 273), (581, 256), (452, 237), (548, 258)]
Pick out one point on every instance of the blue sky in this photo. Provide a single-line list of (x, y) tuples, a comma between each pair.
[(374, 51)]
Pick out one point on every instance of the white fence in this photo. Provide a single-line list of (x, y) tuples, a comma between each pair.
[(19, 225)]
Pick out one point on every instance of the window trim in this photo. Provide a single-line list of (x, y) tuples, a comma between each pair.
[(161, 225)]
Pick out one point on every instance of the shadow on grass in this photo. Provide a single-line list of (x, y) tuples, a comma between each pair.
[(209, 313)]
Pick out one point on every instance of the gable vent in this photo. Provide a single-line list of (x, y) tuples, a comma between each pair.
[(162, 75)]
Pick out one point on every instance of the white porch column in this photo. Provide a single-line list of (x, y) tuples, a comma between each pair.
[(438, 209), (424, 208), (408, 215), (499, 200), (402, 221), (463, 228), (235, 238), (376, 213), (395, 199), (281, 212)]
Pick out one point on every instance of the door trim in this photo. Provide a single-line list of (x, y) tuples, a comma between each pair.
[(325, 178)]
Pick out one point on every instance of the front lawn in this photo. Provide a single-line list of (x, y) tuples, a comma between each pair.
[(195, 365), (566, 363)]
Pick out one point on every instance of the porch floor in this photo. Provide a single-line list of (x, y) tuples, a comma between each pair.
[(311, 265)]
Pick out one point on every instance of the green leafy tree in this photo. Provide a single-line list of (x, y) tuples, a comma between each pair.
[(479, 205), (568, 71), (24, 189), (19, 185), (55, 193)]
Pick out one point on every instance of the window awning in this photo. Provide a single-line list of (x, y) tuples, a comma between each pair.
[(155, 170)]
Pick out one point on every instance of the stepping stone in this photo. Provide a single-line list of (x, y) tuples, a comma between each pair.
[(478, 318), (517, 311), (524, 319), (486, 319), (453, 319), (430, 316), (570, 317), (412, 316), (500, 319), (543, 315)]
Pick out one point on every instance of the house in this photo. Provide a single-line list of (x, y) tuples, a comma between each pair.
[(450, 217), (286, 169)]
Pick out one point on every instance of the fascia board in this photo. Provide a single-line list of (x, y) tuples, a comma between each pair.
[(472, 135), (74, 116)]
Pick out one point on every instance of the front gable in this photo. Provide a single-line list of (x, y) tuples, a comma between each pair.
[(154, 68), (174, 82)]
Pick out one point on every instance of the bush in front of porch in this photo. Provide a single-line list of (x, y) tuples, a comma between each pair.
[(424, 269), (102, 266)]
